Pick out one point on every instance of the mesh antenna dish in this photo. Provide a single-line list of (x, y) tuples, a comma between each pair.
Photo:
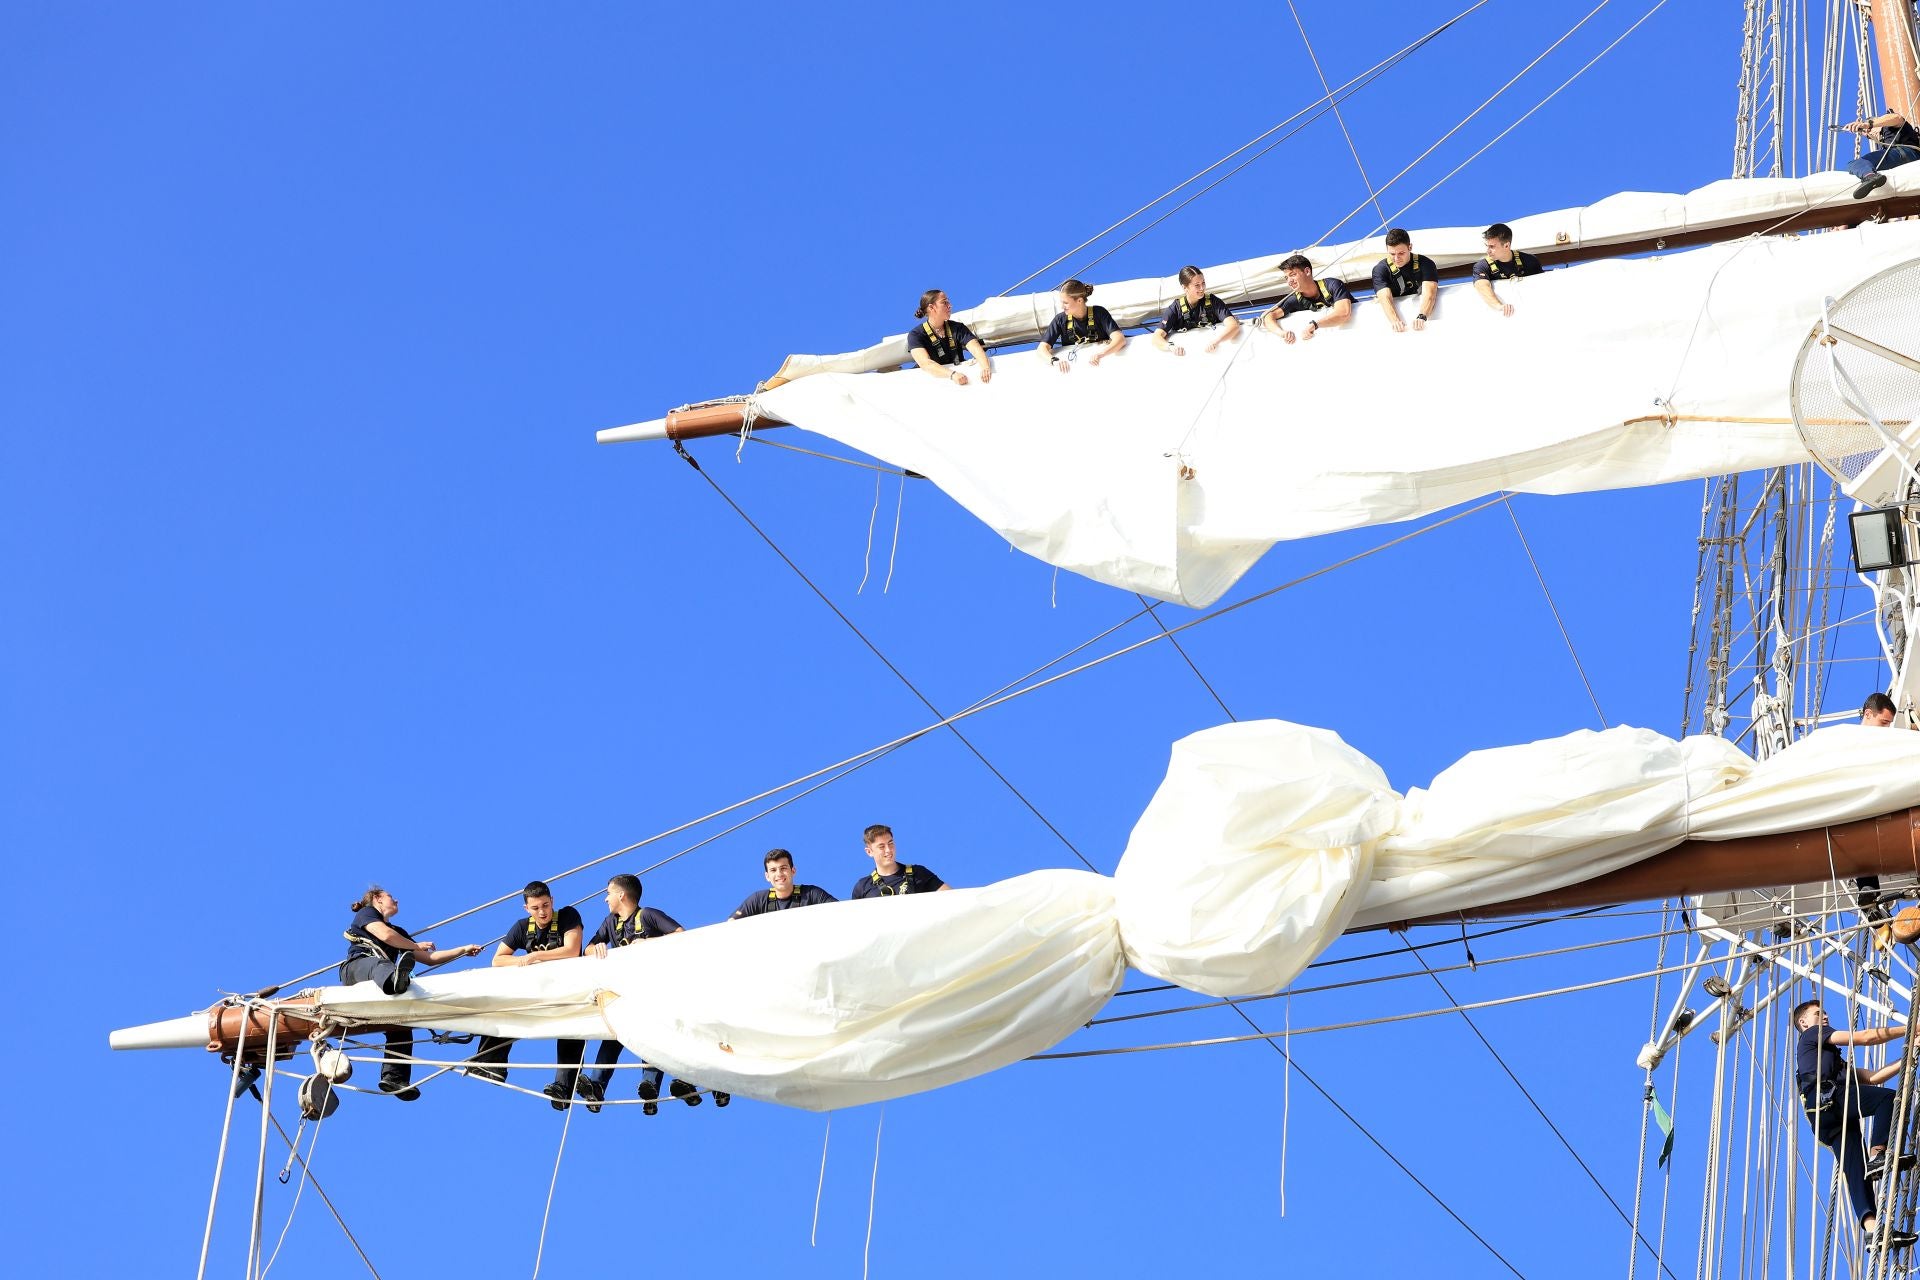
[(1856, 387)]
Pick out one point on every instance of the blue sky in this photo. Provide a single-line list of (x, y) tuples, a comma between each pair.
[(315, 575)]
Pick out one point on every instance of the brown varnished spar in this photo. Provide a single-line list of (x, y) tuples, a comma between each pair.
[(1883, 846)]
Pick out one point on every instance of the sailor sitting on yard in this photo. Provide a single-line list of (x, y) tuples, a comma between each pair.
[(628, 923), (1405, 274), (543, 934), (1838, 1099), (378, 950), (939, 342), (784, 894), (889, 878), (1899, 143), (1503, 262), (1079, 325), (1330, 301), (1195, 309)]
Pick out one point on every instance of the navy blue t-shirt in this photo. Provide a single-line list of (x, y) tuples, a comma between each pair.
[(948, 348), (1814, 1054), (362, 943), (1404, 282), (803, 895), (528, 936), (1096, 326), (644, 923), (1523, 264), (1182, 315), (905, 879), (1331, 293)]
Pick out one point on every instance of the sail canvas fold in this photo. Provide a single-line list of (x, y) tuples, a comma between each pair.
[(1263, 842), (1172, 475)]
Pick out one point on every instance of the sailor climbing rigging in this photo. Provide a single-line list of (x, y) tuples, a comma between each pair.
[(1840, 1101)]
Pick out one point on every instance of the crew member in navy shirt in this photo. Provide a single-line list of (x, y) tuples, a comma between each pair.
[(785, 893), (378, 950), (1404, 274), (627, 924), (1898, 143), (889, 878), (1195, 309), (1329, 301), (1080, 326), (1839, 1100), (1503, 262), (541, 935), (939, 342)]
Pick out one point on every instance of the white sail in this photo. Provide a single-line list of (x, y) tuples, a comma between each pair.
[(1264, 842), (1608, 375)]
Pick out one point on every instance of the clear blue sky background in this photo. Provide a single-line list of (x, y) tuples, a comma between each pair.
[(314, 574)]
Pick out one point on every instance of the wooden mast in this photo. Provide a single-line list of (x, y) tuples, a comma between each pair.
[(1899, 51)]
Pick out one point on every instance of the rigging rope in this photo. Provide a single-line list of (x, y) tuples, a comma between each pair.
[(541, 1250), (813, 1237), (220, 1159), (1354, 85), (1372, 193), (293, 1155), (873, 1191), (260, 1176), (1534, 1103), (984, 705), (1565, 635)]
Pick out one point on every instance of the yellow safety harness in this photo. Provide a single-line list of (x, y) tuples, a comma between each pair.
[(904, 887)]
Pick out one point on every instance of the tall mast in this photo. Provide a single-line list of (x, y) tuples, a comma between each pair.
[(1899, 52)]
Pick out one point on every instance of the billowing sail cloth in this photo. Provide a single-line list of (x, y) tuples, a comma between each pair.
[(1171, 475), (1264, 841)]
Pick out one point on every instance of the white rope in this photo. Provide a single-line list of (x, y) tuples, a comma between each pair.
[(813, 1237), (873, 1192), (293, 1158), (900, 504), (220, 1160), (866, 563), (260, 1175), (541, 1251), (1286, 1093)]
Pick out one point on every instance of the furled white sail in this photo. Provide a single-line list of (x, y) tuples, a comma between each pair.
[(1171, 475), (1264, 841)]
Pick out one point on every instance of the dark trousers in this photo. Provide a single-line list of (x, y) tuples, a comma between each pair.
[(609, 1053), (1881, 159), (396, 1071), (495, 1049), (1867, 1124)]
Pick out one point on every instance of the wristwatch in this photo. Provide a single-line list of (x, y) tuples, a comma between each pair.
[(1421, 316)]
